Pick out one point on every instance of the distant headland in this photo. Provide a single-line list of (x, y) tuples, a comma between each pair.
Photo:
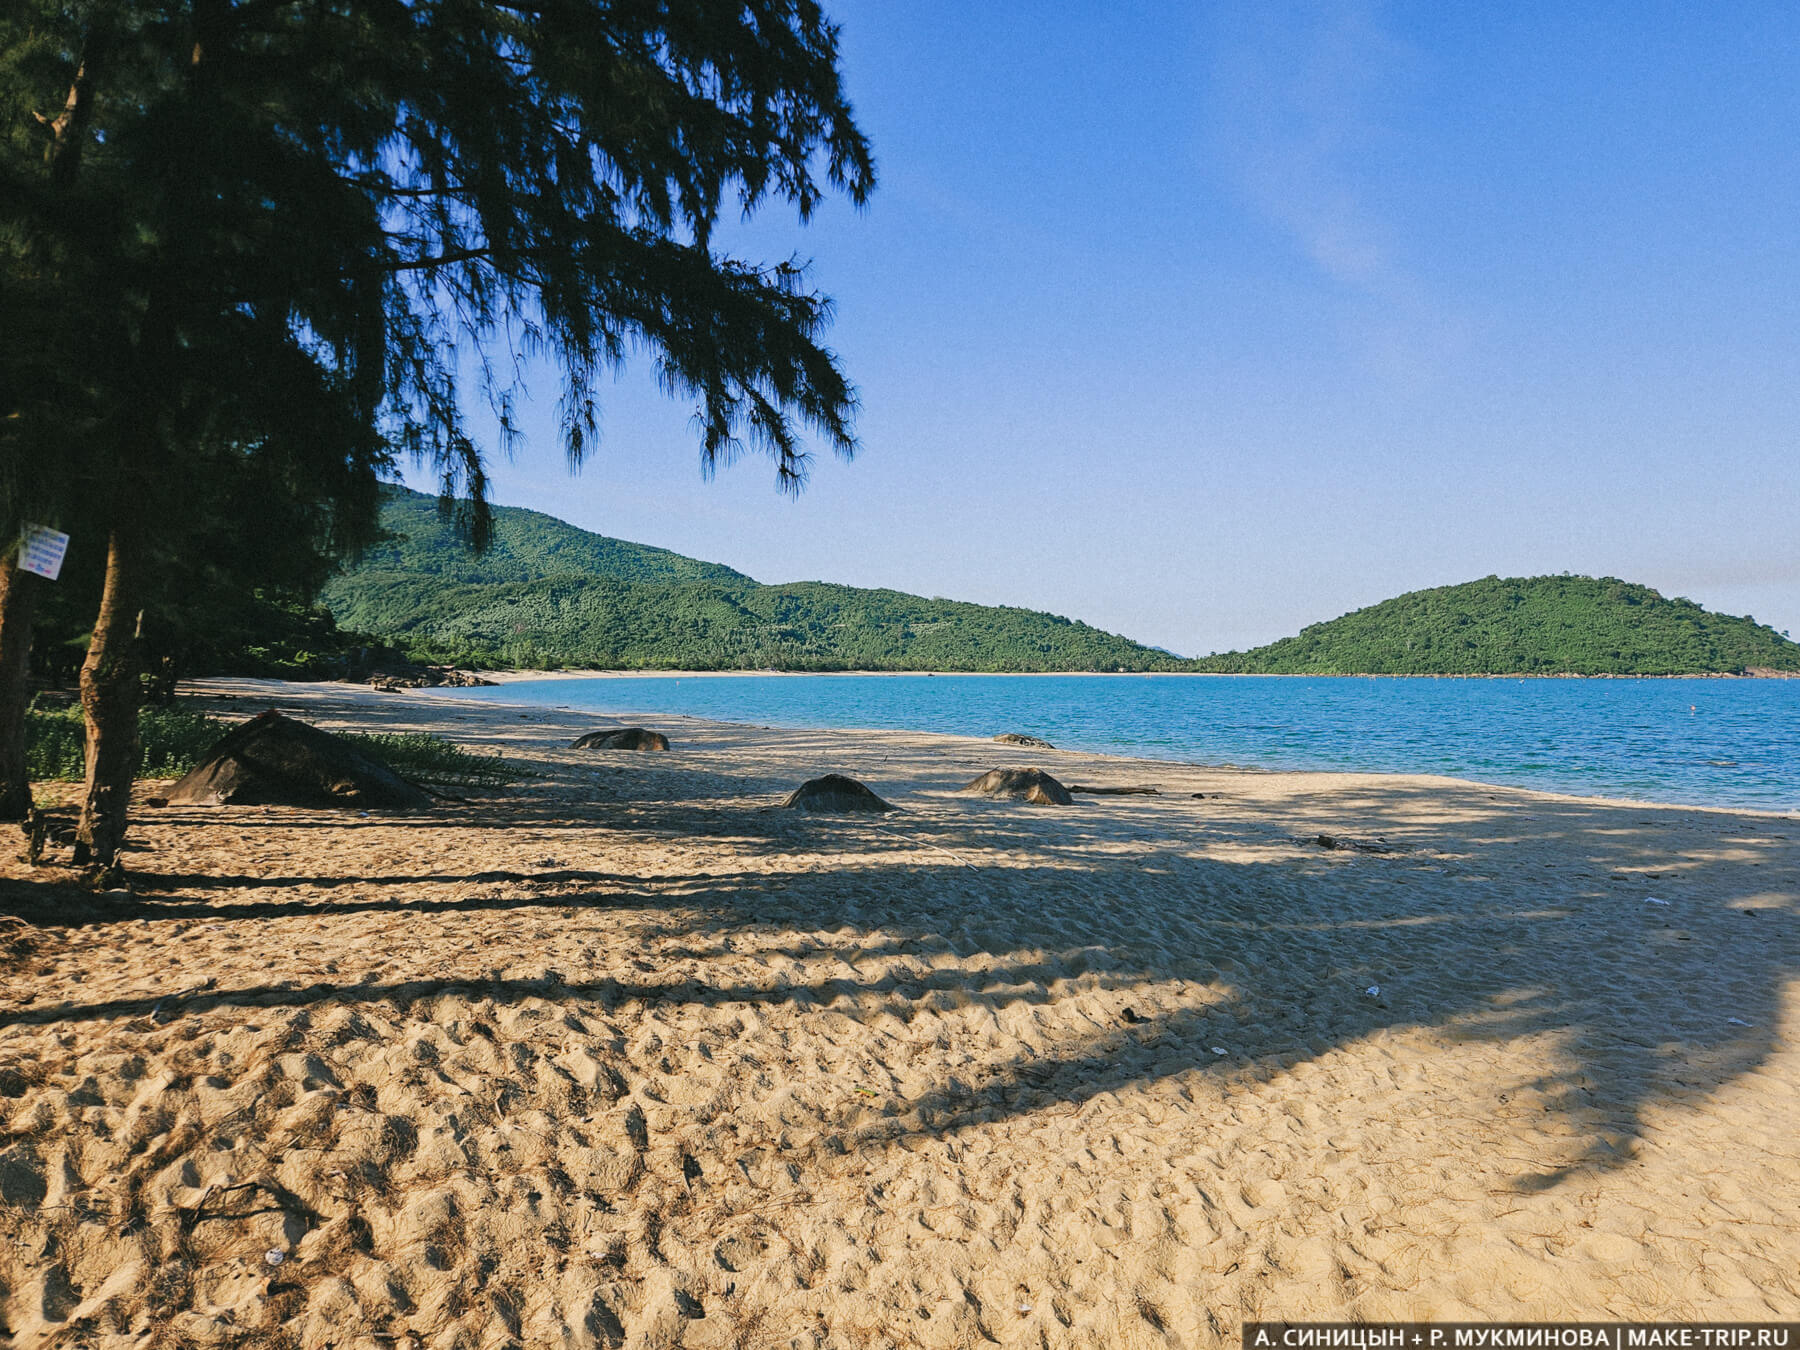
[(548, 595), (1537, 626)]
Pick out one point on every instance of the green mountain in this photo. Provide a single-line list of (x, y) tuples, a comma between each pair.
[(546, 594), (1523, 625), (526, 546)]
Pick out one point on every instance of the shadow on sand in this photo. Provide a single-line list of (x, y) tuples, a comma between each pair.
[(1647, 1001)]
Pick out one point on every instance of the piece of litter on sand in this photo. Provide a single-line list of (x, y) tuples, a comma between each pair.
[(1373, 991), (274, 1256), (1220, 1050), (865, 1092), (1652, 900), (1024, 1309), (1739, 1022)]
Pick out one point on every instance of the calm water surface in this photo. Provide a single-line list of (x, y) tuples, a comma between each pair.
[(1699, 742)]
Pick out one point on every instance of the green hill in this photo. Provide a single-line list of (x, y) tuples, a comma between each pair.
[(1523, 625), (546, 594), (526, 546)]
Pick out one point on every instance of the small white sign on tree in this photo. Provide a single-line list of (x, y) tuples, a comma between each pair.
[(42, 551)]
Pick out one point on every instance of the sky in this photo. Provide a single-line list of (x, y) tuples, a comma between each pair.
[(1203, 322)]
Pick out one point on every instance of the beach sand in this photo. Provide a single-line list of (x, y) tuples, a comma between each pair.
[(625, 1055)]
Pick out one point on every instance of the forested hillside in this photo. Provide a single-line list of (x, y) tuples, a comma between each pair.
[(547, 594), (526, 546), (1524, 625)]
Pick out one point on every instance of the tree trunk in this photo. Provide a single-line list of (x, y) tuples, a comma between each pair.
[(109, 698), (18, 603)]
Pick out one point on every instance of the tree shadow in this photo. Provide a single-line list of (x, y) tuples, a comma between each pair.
[(1463, 930)]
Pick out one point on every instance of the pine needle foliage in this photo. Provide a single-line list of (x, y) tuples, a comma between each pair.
[(291, 205), (313, 232)]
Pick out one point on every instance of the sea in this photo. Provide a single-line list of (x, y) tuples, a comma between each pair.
[(1700, 742)]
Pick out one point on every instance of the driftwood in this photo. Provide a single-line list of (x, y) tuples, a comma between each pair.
[(1021, 785), (1338, 841), (36, 827), (1019, 738), (834, 793), (623, 738), (1116, 791)]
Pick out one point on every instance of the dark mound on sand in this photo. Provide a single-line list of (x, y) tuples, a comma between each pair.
[(273, 760), (1019, 738), (1021, 785), (834, 792), (623, 738)]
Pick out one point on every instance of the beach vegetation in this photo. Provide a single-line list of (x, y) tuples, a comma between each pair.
[(175, 739), (286, 237), (420, 757), (172, 740)]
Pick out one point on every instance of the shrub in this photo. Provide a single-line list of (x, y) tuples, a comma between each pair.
[(173, 741), (424, 758)]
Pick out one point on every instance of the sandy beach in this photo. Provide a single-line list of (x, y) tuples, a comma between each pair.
[(625, 1055)]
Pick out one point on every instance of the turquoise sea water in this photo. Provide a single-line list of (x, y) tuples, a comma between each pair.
[(1699, 742)]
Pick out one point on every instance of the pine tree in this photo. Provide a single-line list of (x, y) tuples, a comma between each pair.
[(289, 225)]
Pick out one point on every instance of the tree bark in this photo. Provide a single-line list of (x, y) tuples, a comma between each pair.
[(19, 590), (109, 698), (18, 604), (69, 128)]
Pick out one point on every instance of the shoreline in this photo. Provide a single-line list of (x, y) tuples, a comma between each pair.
[(1625, 798), (518, 676), (1002, 751), (628, 1054), (253, 689)]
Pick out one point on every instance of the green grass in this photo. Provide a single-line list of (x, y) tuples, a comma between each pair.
[(173, 741), (424, 758)]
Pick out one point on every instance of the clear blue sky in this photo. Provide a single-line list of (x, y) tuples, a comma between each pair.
[(1203, 322)]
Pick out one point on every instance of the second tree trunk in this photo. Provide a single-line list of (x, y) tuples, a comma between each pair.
[(109, 698)]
